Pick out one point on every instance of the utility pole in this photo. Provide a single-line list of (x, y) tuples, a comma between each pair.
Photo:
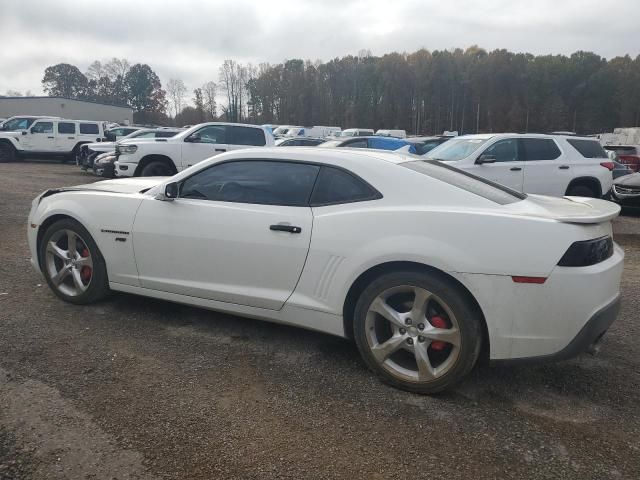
[(478, 119), (526, 128)]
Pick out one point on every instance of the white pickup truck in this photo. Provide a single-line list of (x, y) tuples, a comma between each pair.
[(49, 136), (167, 156)]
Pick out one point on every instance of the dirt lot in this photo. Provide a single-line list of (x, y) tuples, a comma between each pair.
[(139, 388)]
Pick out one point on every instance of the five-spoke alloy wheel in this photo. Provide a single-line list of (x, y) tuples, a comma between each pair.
[(72, 263), (417, 331)]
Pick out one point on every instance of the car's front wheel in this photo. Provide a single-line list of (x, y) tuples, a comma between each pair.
[(417, 331), (72, 264), (156, 169), (7, 153)]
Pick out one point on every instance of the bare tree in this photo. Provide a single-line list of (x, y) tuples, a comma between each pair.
[(209, 91), (176, 91), (14, 93), (95, 71), (116, 67)]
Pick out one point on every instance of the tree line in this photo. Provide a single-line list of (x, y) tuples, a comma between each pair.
[(422, 92), (468, 90)]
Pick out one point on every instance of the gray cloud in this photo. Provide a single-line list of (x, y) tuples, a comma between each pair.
[(190, 39)]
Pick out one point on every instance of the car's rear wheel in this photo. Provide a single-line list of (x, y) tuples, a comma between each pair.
[(156, 169), (417, 331), (72, 264), (7, 153)]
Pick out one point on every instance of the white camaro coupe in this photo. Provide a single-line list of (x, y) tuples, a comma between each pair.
[(426, 267)]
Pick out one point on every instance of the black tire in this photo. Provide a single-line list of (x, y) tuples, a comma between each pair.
[(468, 318), (581, 191), (156, 168), (98, 286), (7, 153)]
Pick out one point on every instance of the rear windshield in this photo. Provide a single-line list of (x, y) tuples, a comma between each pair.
[(456, 149), (588, 148), (466, 181), (331, 143)]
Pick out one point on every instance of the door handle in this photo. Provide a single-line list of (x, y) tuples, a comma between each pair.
[(285, 228), (564, 167), (515, 169), (221, 150), (50, 137), (71, 138)]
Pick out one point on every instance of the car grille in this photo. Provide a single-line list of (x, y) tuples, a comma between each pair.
[(626, 190)]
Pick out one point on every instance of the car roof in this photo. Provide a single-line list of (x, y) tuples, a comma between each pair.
[(487, 136), (315, 154)]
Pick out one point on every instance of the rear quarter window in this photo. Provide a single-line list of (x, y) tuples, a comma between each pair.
[(89, 128), (588, 148)]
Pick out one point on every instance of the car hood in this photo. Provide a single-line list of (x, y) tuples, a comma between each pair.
[(122, 185), (567, 209), (632, 180), (10, 133), (102, 146)]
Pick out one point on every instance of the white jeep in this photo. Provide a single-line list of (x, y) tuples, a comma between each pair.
[(49, 136), (167, 156)]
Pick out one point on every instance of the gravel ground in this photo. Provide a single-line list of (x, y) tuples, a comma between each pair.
[(134, 388)]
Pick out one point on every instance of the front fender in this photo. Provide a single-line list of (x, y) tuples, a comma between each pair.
[(108, 218)]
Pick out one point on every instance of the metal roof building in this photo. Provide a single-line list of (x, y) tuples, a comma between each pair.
[(65, 108)]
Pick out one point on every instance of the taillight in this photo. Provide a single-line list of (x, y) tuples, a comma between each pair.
[(587, 252), (609, 165)]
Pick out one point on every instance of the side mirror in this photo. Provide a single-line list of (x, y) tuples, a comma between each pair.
[(193, 138), (24, 132), (486, 159), (170, 192)]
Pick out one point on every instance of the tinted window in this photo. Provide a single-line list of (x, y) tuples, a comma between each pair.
[(588, 148), (127, 131), (538, 149), (356, 144), (212, 134), (42, 127), (504, 150), (89, 128), (466, 181), (309, 142), (264, 182), (66, 127), (246, 136), (338, 186)]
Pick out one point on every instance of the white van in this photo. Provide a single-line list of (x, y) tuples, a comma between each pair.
[(357, 132), (392, 133), (317, 131)]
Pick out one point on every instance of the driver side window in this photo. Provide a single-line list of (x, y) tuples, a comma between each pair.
[(42, 127), (253, 181), (210, 134), (504, 150)]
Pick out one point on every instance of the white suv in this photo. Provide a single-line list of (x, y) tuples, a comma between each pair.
[(167, 156), (49, 136), (554, 165)]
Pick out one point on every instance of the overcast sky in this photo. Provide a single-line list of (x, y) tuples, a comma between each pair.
[(190, 39)]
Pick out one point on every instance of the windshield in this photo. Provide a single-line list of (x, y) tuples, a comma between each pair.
[(17, 124), (456, 149)]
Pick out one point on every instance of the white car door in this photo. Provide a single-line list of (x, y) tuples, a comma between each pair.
[(500, 163), (546, 169), (40, 137), (202, 144), (66, 136), (239, 232)]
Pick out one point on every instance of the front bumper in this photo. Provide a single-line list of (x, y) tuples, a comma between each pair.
[(625, 196)]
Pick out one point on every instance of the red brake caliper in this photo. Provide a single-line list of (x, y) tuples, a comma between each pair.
[(438, 322), (85, 272)]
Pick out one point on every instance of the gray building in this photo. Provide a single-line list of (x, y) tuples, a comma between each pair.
[(65, 108)]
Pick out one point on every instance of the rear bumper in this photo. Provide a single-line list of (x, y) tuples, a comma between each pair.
[(587, 338)]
